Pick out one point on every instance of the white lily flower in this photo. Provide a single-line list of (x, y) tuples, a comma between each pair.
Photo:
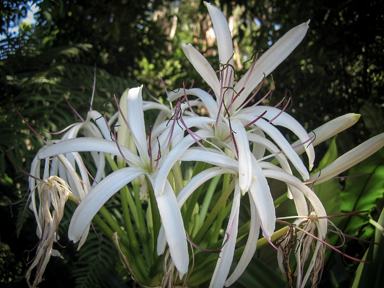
[(154, 167), (230, 98), (231, 121)]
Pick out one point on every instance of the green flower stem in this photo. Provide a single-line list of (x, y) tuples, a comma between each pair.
[(208, 197), (138, 277), (156, 219), (222, 214), (191, 207), (125, 240), (124, 192), (280, 200), (142, 227), (178, 177), (279, 233), (107, 231), (126, 198), (212, 215), (127, 201), (128, 195), (191, 201)]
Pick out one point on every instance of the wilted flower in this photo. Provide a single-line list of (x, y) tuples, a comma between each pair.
[(52, 193)]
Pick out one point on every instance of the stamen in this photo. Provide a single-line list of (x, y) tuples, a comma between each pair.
[(266, 95), (253, 96), (150, 95), (30, 127), (61, 131), (285, 107), (150, 148), (93, 88), (254, 121), (74, 110), (165, 87), (200, 248), (193, 83), (333, 248), (269, 240)]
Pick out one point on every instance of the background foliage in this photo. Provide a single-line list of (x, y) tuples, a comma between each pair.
[(337, 69)]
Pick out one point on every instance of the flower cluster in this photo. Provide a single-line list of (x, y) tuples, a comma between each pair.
[(231, 150)]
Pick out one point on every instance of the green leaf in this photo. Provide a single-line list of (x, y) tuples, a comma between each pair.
[(371, 275), (258, 274), (361, 192)]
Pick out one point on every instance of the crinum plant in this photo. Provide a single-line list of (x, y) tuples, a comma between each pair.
[(180, 229)]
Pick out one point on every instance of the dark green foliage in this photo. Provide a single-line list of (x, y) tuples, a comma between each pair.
[(96, 264)]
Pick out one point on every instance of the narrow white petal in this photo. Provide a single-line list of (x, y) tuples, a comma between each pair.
[(244, 155), (74, 180), (214, 158), (97, 197), (198, 180), (170, 159), (329, 130), (223, 35), (205, 97), (287, 121), (250, 246), (161, 241), (136, 121), (100, 121), (269, 61), (262, 197), (311, 196), (350, 159), (280, 140), (226, 256), (202, 66), (87, 144), (293, 192), (174, 228), (272, 148)]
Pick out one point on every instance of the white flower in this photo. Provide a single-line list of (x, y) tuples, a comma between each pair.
[(154, 160), (235, 127)]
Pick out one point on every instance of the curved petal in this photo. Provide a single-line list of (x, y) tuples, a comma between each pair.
[(283, 119), (261, 141), (171, 159), (226, 256), (87, 144), (311, 196), (99, 120), (244, 155), (280, 140), (97, 197), (198, 180), (223, 37), (202, 66), (329, 129), (197, 154), (250, 246), (350, 159), (269, 61), (174, 228), (208, 101), (135, 115), (262, 197)]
